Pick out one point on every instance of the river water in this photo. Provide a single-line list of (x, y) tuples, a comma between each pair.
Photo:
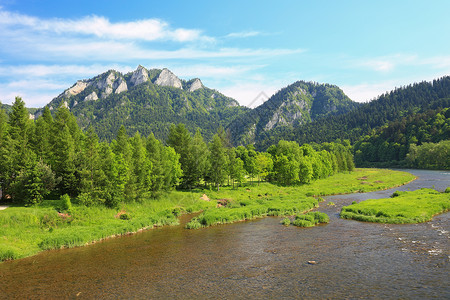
[(254, 259)]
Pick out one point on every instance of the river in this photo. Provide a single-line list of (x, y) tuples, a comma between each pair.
[(254, 259)]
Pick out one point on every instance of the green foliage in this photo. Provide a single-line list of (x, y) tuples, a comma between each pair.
[(193, 224), (407, 207), (66, 204), (125, 217), (311, 219), (430, 156), (286, 221), (447, 190), (397, 143)]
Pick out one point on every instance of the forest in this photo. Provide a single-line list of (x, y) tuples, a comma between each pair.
[(51, 157), (402, 102)]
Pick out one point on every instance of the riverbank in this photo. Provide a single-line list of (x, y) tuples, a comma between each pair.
[(402, 208), (272, 200), (26, 231)]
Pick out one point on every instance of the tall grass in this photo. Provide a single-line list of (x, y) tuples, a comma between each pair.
[(404, 207)]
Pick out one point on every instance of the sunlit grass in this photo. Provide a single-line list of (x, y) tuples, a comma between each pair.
[(405, 207)]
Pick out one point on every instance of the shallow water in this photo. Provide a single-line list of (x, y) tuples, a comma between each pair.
[(252, 259)]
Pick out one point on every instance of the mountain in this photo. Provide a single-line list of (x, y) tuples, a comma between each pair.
[(32, 111), (297, 104), (353, 125), (146, 101)]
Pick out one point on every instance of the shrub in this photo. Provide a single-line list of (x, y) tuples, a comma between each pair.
[(66, 205), (331, 203), (85, 199), (447, 190), (125, 216), (395, 194), (286, 222), (193, 224)]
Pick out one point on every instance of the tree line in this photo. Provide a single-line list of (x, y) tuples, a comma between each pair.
[(52, 157), (391, 144)]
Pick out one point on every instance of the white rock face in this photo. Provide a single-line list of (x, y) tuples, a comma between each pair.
[(139, 76), (167, 78), (197, 84), (65, 104), (76, 89), (107, 82), (120, 86), (91, 97)]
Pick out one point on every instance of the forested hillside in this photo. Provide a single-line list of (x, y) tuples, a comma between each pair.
[(390, 145), (405, 101), (146, 101), (297, 104)]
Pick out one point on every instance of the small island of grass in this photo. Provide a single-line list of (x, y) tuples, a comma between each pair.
[(402, 208)]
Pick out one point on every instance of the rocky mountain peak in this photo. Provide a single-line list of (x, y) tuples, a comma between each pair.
[(167, 78), (197, 84), (140, 75)]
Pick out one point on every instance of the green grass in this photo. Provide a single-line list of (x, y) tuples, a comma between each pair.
[(404, 207), (255, 201), (311, 219), (25, 231)]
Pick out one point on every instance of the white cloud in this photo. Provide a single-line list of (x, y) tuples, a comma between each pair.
[(146, 30), (40, 70), (243, 34), (250, 94), (387, 63)]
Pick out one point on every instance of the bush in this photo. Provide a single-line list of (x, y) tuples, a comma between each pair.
[(85, 199), (125, 216), (286, 222), (193, 224), (66, 205), (396, 194), (447, 190)]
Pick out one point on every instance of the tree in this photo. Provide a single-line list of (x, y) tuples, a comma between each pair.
[(218, 161), (34, 182), (180, 139), (198, 160), (141, 169), (263, 164)]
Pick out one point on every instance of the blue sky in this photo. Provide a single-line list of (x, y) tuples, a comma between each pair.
[(241, 48)]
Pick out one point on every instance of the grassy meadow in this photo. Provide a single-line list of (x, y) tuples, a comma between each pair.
[(403, 207), (25, 231)]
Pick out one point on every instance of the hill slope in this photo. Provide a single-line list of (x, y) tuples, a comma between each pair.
[(297, 104), (146, 101), (402, 102)]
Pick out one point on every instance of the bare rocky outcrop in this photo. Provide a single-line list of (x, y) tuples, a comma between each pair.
[(91, 97), (289, 112), (76, 89), (140, 75), (120, 86), (167, 78), (197, 84), (107, 84)]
